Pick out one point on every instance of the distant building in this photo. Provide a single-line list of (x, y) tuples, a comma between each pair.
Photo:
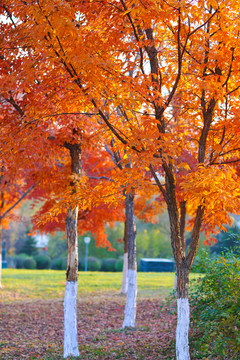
[(157, 265)]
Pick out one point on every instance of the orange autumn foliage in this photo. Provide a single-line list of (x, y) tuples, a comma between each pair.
[(160, 77)]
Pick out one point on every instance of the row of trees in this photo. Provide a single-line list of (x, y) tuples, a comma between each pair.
[(106, 105)]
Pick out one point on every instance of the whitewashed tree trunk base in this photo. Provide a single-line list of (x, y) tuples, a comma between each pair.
[(175, 282), (0, 267), (130, 309), (182, 347), (124, 287), (70, 320)]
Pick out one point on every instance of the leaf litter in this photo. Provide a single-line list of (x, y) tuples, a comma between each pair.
[(34, 330)]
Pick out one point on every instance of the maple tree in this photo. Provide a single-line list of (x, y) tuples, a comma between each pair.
[(46, 158), (175, 116), (59, 169)]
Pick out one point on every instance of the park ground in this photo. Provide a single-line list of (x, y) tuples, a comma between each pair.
[(31, 316)]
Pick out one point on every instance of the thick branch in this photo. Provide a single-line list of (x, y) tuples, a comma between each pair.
[(195, 236), (182, 224)]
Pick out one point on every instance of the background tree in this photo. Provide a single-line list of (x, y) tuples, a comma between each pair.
[(227, 240)]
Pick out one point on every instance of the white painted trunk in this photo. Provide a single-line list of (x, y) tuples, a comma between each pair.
[(130, 309), (182, 347), (124, 287), (175, 282), (0, 267), (70, 320)]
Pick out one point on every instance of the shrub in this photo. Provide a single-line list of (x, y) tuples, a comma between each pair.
[(119, 265), (215, 305), (202, 260), (43, 261), (19, 259), (58, 264), (108, 264), (29, 263), (94, 264)]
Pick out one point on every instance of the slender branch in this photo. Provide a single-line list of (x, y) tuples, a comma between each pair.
[(230, 92), (202, 25), (9, 15), (100, 178), (74, 75), (225, 162), (17, 202), (180, 57), (135, 34), (183, 213), (163, 191), (15, 105), (230, 69), (65, 113), (228, 152), (223, 135)]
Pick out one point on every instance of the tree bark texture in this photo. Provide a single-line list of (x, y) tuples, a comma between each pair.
[(124, 286), (72, 244), (130, 308), (70, 300)]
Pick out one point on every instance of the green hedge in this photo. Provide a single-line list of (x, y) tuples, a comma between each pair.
[(19, 259), (108, 265), (94, 264), (43, 261), (29, 263), (119, 265), (59, 264)]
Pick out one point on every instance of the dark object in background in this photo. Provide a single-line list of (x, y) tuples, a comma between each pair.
[(157, 265)]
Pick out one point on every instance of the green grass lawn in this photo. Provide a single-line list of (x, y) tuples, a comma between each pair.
[(50, 284)]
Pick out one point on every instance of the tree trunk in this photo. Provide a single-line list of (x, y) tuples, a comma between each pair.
[(0, 255), (70, 314), (70, 300), (182, 347), (130, 308), (125, 264)]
